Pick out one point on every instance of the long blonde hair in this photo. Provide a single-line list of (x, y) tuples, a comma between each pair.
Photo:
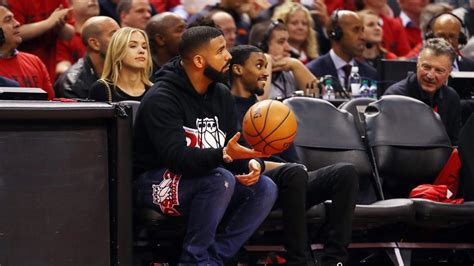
[(116, 52), (285, 11)]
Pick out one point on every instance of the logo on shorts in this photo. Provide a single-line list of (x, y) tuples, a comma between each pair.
[(165, 194)]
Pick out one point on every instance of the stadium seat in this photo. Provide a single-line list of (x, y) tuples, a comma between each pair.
[(326, 136), (410, 147), (357, 107)]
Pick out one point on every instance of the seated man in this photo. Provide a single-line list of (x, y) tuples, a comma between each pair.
[(288, 74), (338, 182), (346, 33), (428, 85), (186, 157), (26, 69)]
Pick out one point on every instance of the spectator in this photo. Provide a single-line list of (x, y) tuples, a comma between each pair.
[(42, 23), (236, 8), (164, 32), (288, 73), (226, 23), (409, 19), (395, 39), (427, 14), (347, 44), (373, 35), (127, 68), (78, 79), (25, 68), (449, 27), (429, 84), (187, 155), (70, 51), (300, 24), (337, 182), (134, 13)]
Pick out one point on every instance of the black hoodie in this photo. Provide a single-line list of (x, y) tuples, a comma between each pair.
[(178, 129)]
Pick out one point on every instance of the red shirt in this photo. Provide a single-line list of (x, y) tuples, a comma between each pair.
[(28, 70), (394, 37), (332, 5), (70, 50), (413, 33), (44, 46)]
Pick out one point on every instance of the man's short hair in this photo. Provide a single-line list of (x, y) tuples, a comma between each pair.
[(196, 37), (124, 5), (241, 53), (439, 46)]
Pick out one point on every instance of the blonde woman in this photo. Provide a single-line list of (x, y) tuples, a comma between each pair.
[(300, 24), (127, 67)]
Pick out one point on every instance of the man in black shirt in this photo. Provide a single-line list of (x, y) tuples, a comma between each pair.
[(297, 191), (186, 157), (428, 85)]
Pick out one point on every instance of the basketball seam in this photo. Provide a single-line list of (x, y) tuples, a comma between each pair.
[(268, 144), (263, 139)]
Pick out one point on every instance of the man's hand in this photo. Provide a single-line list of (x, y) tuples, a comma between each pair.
[(253, 176), (321, 12), (58, 17), (282, 63), (234, 151)]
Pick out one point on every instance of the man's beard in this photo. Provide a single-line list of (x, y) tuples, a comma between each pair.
[(258, 91), (216, 75)]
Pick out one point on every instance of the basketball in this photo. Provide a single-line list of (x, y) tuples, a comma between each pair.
[(269, 126)]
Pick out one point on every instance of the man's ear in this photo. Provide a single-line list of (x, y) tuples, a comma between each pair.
[(160, 41), (237, 70), (199, 61), (94, 44)]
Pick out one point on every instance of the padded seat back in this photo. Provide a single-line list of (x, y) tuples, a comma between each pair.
[(357, 108), (409, 143), (327, 136)]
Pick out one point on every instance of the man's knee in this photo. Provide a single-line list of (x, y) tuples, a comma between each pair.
[(294, 176), (347, 175), (265, 187), (221, 178)]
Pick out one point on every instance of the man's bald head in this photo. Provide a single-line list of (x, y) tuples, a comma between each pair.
[(164, 30), (94, 26), (226, 23), (448, 27), (159, 23), (97, 31)]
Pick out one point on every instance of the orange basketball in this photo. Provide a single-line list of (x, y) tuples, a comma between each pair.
[(269, 126)]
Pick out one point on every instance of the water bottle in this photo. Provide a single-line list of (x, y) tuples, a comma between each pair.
[(354, 81), (364, 88), (373, 89), (329, 90)]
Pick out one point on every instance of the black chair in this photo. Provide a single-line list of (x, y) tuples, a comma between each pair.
[(357, 108), (410, 147), (326, 136)]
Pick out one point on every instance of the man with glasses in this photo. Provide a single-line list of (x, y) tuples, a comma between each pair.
[(428, 85)]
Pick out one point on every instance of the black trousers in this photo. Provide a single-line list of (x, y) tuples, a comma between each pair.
[(299, 190)]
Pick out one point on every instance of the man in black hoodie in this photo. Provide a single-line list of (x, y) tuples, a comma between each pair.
[(186, 156), (297, 190)]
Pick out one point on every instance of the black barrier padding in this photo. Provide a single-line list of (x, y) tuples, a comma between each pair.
[(54, 193)]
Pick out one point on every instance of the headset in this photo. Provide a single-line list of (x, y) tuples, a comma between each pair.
[(336, 30), (463, 35), (263, 44)]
